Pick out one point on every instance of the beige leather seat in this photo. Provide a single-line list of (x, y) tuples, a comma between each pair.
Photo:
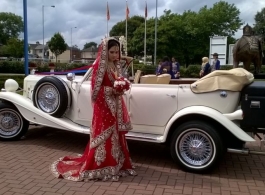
[(148, 79), (163, 79), (137, 76)]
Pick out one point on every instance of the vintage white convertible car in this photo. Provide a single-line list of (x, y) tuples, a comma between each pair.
[(199, 121)]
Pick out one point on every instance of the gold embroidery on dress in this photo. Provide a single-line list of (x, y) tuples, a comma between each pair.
[(107, 172), (100, 154), (101, 69), (115, 146), (94, 142), (111, 101), (121, 125)]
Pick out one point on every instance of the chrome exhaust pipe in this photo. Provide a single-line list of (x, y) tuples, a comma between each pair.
[(238, 151), (257, 152), (245, 151)]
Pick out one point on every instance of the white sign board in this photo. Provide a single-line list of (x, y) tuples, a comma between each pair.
[(218, 44), (230, 57)]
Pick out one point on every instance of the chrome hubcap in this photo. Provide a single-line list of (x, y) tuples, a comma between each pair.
[(195, 148), (10, 122), (48, 98)]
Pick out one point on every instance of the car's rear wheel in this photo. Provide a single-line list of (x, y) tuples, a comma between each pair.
[(12, 124), (196, 147), (52, 96)]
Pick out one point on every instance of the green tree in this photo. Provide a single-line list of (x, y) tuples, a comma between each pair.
[(11, 26), (90, 44), (57, 44), (132, 25), (3, 51), (222, 20), (136, 46), (168, 32), (184, 36), (259, 27), (15, 48), (171, 34), (193, 30)]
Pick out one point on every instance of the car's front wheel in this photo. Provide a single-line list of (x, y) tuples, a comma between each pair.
[(196, 147), (12, 124)]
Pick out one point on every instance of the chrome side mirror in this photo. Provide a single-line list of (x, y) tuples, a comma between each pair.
[(70, 76)]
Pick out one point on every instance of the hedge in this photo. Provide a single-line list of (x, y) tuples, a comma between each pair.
[(192, 71), (18, 67)]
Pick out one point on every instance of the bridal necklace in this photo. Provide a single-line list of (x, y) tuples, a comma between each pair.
[(113, 69), (112, 66)]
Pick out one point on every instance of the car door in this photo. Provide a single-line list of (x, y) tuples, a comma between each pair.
[(84, 104), (85, 110), (151, 104)]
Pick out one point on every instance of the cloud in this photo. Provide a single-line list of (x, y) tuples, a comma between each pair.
[(90, 16)]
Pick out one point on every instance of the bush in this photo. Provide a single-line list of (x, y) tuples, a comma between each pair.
[(149, 69), (226, 67), (183, 72), (12, 67), (18, 78), (135, 61), (18, 67), (135, 68), (192, 71)]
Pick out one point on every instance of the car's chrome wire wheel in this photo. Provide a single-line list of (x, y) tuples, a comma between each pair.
[(195, 148), (11, 123), (48, 98)]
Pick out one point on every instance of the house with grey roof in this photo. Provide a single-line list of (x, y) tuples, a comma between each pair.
[(89, 53), (36, 49)]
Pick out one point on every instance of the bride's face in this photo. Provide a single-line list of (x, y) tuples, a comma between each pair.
[(113, 53)]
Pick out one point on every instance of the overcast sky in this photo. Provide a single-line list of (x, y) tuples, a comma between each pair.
[(89, 16)]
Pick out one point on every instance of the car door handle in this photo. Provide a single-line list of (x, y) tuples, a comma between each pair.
[(173, 96)]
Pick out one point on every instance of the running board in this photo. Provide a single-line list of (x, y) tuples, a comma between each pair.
[(145, 137), (245, 151)]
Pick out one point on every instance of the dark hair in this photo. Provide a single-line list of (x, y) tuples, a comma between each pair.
[(165, 59), (113, 43)]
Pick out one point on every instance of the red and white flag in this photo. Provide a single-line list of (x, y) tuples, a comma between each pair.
[(127, 11), (108, 14), (145, 10)]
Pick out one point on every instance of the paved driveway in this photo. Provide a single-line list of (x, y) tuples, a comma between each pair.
[(24, 170)]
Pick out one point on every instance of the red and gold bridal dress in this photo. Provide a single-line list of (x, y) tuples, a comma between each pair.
[(106, 156)]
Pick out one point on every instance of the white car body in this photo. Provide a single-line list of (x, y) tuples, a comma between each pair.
[(155, 109), (143, 100)]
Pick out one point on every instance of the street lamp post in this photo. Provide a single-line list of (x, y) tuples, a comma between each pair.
[(155, 36), (71, 44), (25, 14), (43, 28)]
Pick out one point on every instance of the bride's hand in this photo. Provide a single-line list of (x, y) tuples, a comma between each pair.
[(118, 93)]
